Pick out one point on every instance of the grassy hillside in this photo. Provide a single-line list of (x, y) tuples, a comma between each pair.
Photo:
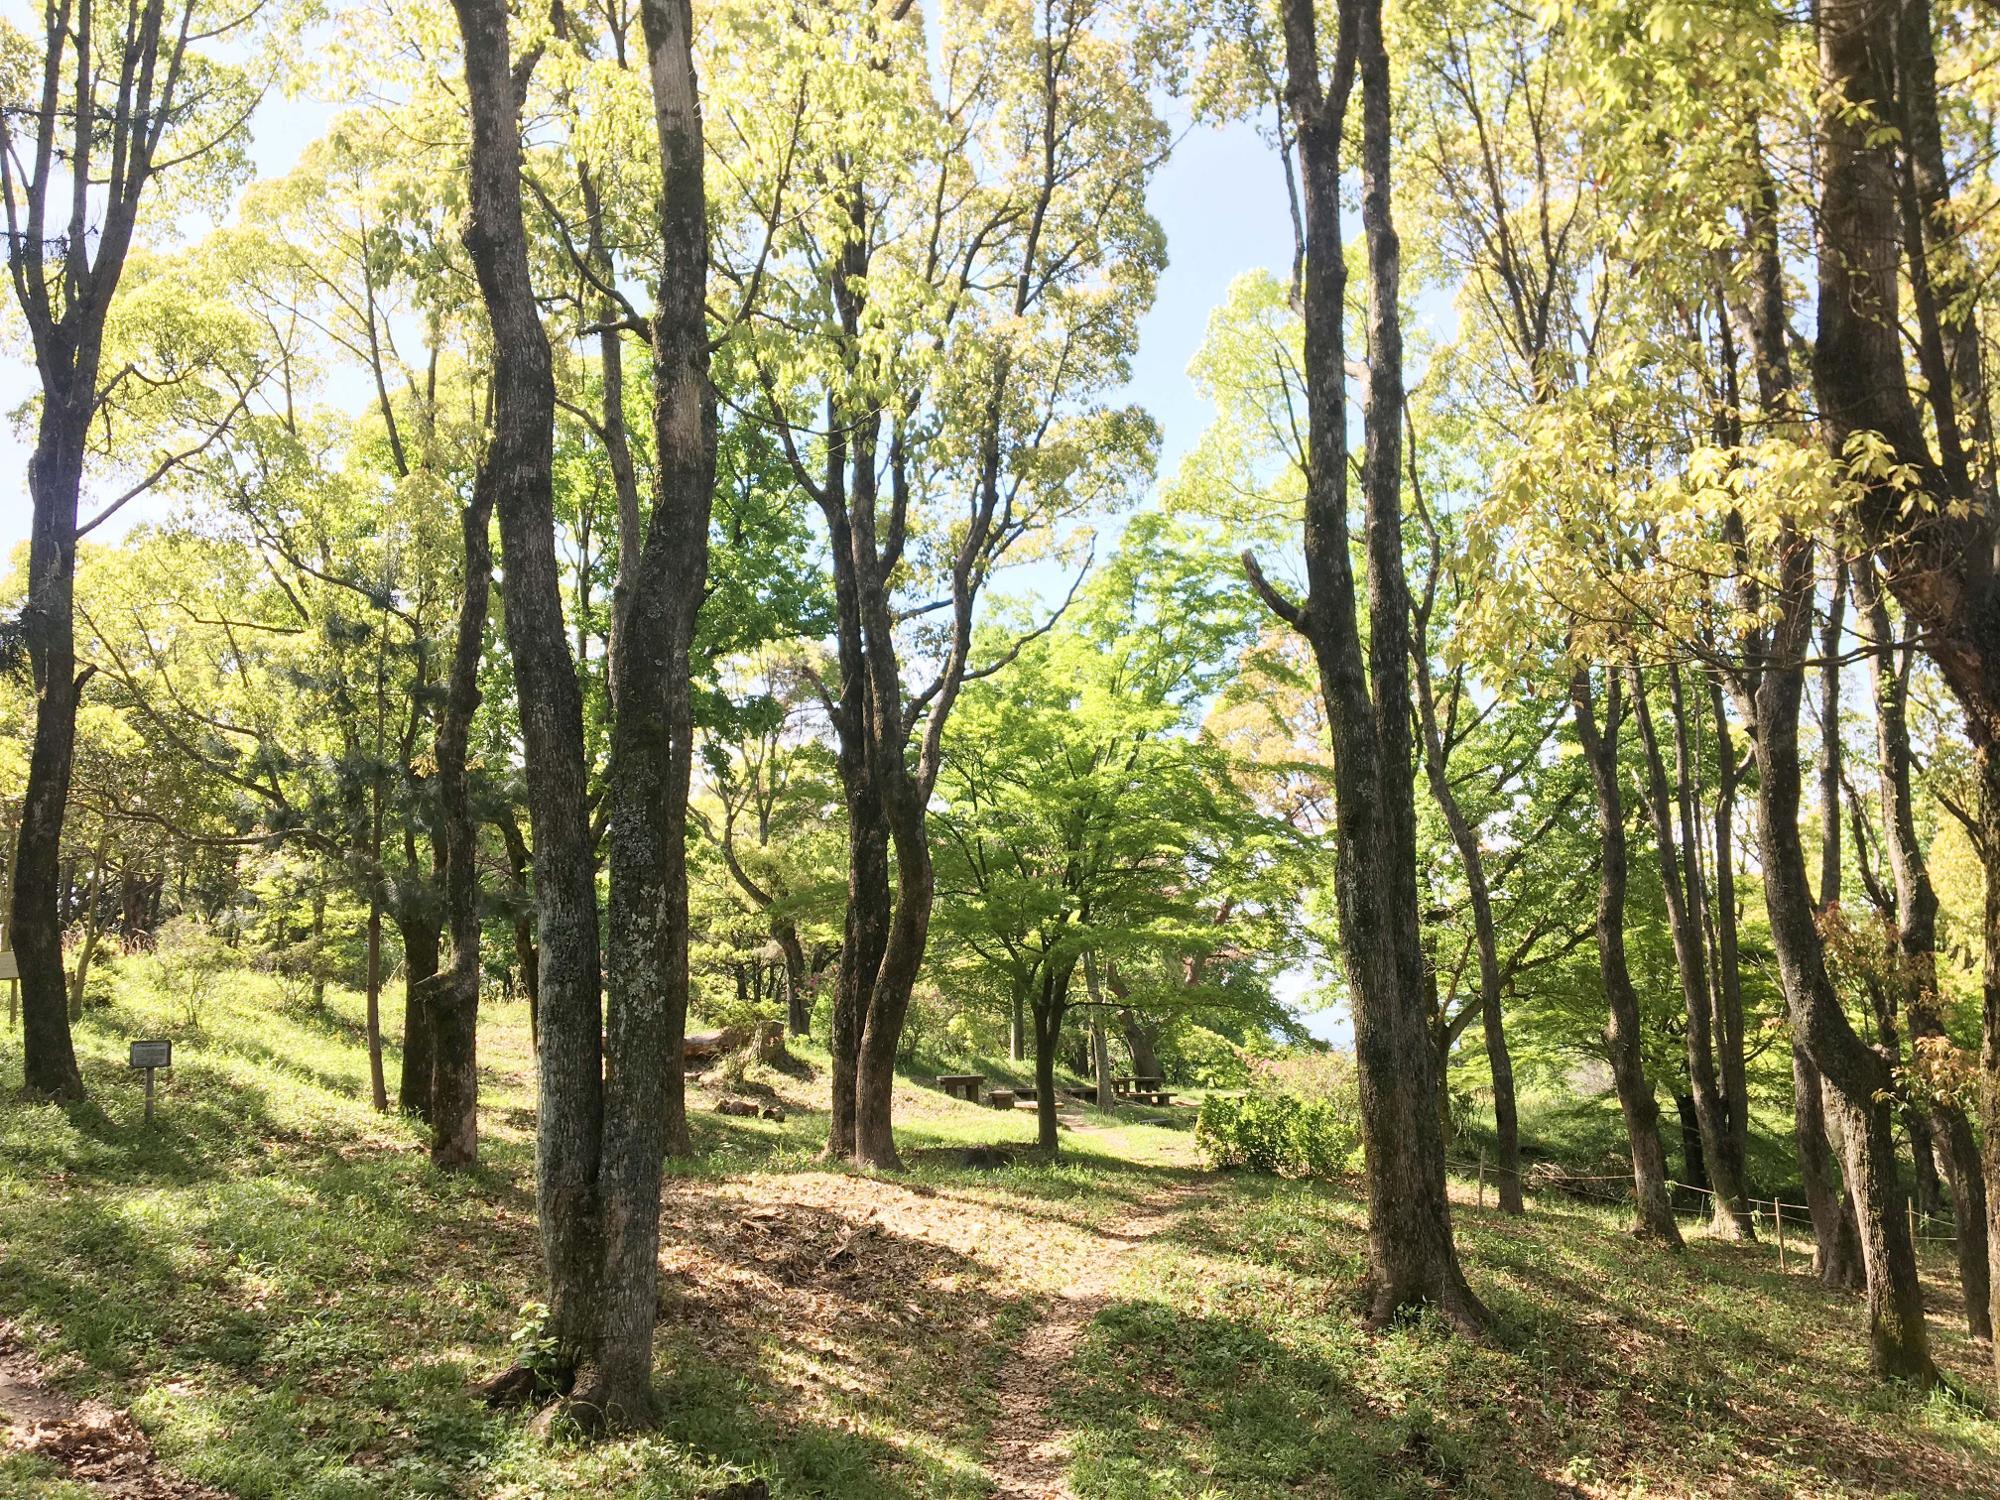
[(292, 1303)]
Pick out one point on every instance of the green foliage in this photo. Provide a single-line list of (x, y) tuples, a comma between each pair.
[(1280, 1133)]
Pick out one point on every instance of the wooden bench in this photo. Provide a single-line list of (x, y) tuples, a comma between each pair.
[(1147, 1096), (962, 1085), (1001, 1098)]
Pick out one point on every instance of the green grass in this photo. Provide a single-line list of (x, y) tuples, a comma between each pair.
[(1235, 1365), (292, 1303)]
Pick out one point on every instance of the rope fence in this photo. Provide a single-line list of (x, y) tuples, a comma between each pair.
[(1776, 1210)]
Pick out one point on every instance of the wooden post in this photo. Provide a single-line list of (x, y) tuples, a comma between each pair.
[(1482, 1177), (1778, 1219), (149, 1094), (1915, 1253)]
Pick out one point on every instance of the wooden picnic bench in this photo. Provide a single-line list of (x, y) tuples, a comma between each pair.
[(1001, 1098), (962, 1085), (1142, 1090)]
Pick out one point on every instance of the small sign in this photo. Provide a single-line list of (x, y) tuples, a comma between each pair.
[(10, 966), (152, 1054)]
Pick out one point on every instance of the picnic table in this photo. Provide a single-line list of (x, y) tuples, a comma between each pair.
[(1142, 1090), (962, 1085)]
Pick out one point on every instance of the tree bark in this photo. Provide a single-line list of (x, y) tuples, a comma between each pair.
[(1623, 1038), (454, 999), (1836, 1249), (417, 925), (1413, 1261), (519, 456), (55, 477), (1681, 886), (93, 930), (1050, 1005), (865, 933), (1728, 977), (1860, 1078), (527, 958), (798, 1000), (1916, 935), (378, 1086)]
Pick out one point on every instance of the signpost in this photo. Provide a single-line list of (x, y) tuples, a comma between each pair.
[(10, 970), (151, 1055)]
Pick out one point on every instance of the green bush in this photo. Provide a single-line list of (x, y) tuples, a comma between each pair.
[(1280, 1133)]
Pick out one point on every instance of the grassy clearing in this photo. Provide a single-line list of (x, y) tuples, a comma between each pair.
[(292, 1303)]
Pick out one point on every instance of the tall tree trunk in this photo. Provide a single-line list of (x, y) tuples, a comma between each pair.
[(1048, 1010), (1859, 1077), (417, 925), (527, 958), (519, 456), (318, 941), (93, 931), (1100, 1046), (1836, 1249), (378, 1086), (55, 476), (652, 755), (1623, 1038), (1680, 885), (454, 998), (1412, 1259), (1465, 839), (889, 998), (82, 140), (798, 999), (1916, 936), (865, 934), (1728, 977)]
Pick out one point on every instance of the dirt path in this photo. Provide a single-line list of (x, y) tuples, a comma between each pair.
[(1030, 1452), (90, 1443)]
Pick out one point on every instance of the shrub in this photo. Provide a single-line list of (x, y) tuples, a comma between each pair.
[(1281, 1133)]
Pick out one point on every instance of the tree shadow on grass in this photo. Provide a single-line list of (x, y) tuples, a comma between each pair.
[(1643, 1366), (824, 1346), (1166, 1403)]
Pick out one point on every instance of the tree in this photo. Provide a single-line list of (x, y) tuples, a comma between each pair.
[(113, 96), (1884, 214), (1082, 820), (1622, 1039), (611, 1109), (1412, 1257), (970, 280)]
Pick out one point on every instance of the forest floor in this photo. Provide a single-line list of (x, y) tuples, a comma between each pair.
[(271, 1293)]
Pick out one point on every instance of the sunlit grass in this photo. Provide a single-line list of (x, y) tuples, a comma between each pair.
[(294, 1304)]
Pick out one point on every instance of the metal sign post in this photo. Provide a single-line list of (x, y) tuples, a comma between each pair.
[(151, 1056)]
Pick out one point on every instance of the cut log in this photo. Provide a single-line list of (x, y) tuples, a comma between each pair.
[(706, 1046)]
